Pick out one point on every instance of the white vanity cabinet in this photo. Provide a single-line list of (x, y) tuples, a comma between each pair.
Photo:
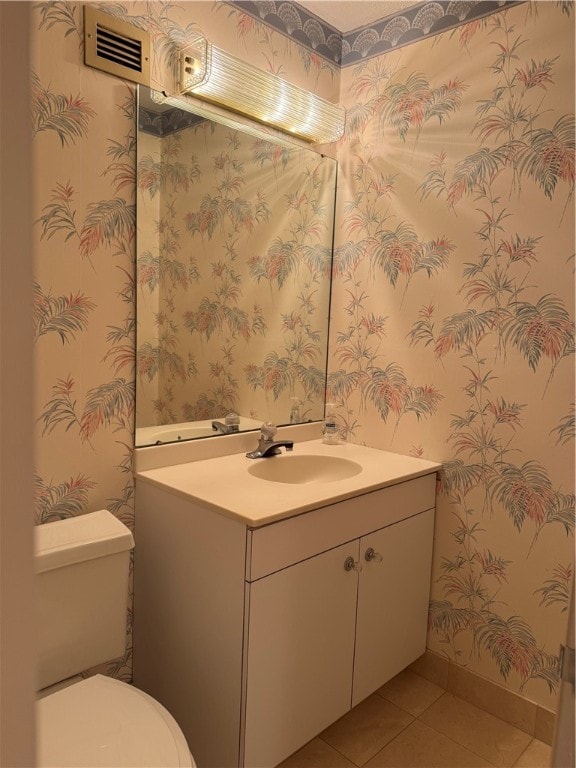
[(300, 648), (393, 599), (257, 638)]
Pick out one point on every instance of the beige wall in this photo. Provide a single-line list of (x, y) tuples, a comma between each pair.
[(84, 162), (17, 674), (455, 297)]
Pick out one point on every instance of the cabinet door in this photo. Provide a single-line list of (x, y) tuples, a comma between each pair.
[(393, 598), (300, 654)]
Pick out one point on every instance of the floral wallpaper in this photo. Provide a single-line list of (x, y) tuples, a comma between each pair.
[(233, 263), (85, 194), (452, 312), (452, 334)]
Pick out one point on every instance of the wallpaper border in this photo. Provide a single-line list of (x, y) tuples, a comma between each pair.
[(423, 20)]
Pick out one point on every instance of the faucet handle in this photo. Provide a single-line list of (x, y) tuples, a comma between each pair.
[(232, 422), (268, 431)]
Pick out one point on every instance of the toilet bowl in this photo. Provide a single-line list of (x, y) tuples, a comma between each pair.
[(82, 567), (100, 721)]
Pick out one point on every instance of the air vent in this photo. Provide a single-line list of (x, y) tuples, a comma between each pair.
[(116, 47)]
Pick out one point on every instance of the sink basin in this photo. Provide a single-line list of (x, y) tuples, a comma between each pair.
[(304, 469)]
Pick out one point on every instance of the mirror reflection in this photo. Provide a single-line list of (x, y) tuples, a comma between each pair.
[(234, 260)]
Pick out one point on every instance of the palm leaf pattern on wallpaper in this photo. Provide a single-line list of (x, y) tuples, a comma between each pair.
[(107, 222), (152, 359), (465, 329), (481, 478), (222, 399), (280, 374), (123, 169), (510, 643), (394, 252), (214, 315), (525, 492), (154, 174), (59, 216), (449, 620), (389, 391), (318, 258), (275, 375), (403, 105), (265, 152), (241, 213), (149, 270), (238, 322), (62, 13), (64, 315), (386, 388), (541, 329), (151, 175), (548, 156), (108, 405), (61, 408), (210, 215), (400, 252), (67, 116), (566, 429), (413, 103), (67, 499), (545, 155), (220, 309), (312, 379), (153, 269), (556, 591), (458, 477), (121, 350), (277, 264)]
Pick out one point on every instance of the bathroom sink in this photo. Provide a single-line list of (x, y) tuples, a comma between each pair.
[(304, 469)]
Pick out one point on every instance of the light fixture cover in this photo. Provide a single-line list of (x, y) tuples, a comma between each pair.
[(218, 77)]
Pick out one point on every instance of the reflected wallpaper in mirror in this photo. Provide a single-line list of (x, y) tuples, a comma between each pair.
[(233, 276)]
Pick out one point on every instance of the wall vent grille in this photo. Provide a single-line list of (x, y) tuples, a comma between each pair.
[(116, 47)]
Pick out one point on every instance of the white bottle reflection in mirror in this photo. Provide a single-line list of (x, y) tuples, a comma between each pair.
[(295, 410), (330, 432)]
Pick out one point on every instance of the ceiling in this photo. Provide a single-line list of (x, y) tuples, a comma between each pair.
[(347, 15)]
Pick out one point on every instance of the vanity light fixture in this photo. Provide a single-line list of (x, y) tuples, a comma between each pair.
[(218, 77)]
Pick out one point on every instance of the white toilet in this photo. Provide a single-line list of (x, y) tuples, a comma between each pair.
[(82, 566)]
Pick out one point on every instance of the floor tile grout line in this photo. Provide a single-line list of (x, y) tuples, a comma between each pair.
[(450, 689), (466, 747), (533, 739), (360, 765), (440, 733), (490, 713), (426, 708), (337, 750)]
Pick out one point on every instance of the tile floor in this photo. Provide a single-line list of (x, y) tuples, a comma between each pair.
[(413, 723)]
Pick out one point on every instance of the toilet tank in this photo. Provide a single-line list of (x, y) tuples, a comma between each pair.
[(82, 566)]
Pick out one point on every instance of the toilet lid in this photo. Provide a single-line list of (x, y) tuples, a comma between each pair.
[(102, 722)]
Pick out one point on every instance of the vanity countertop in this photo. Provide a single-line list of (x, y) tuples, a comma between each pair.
[(225, 485)]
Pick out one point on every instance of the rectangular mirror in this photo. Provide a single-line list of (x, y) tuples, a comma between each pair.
[(234, 257)]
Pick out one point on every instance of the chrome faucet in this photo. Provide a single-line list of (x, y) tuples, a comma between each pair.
[(267, 446), (231, 424)]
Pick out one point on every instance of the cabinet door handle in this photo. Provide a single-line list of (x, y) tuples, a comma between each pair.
[(352, 565), (372, 556)]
